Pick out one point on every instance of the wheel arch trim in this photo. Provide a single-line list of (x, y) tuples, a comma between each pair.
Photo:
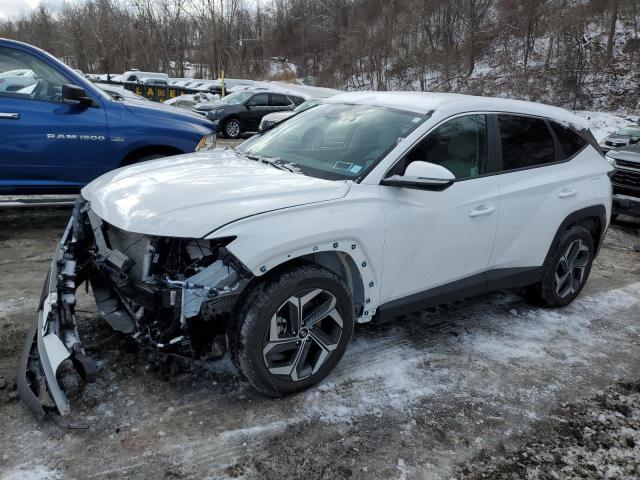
[(598, 212), (344, 256)]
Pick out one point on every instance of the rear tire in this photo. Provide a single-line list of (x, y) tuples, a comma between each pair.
[(292, 331), (565, 271)]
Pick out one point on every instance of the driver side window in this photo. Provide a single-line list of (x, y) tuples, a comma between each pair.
[(24, 76), (259, 100), (459, 145)]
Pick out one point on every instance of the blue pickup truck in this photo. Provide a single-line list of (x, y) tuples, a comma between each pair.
[(58, 131)]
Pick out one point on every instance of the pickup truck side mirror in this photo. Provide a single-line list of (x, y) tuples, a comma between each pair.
[(423, 176), (75, 95)]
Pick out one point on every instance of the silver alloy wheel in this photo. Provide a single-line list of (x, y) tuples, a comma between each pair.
[(571, 268), (302, 334), (232, 128)]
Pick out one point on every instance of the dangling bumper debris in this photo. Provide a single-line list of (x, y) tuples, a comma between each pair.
[(53, 336), (173, 294)]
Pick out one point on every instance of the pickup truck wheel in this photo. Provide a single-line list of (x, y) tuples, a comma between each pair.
[(232, 128), (294, 331), (566, 270)]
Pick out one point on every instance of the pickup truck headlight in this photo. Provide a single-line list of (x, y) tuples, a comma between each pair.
[(611, 160), (208, 142)]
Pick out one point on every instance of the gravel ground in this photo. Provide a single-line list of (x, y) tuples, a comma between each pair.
[(465, 390), (595, 438)]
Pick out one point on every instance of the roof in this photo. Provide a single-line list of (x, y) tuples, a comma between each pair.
[(453, 103)]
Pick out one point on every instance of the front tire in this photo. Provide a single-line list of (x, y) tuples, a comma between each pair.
[(293, 330), (566, 270), (232, 128)]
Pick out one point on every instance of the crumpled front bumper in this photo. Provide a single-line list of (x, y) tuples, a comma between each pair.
[(53, 336)]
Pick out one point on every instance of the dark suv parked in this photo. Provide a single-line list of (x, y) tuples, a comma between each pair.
[(242, 111)]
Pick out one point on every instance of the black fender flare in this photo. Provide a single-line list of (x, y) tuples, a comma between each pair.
[(594, 211)]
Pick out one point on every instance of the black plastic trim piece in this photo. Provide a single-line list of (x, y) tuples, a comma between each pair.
[(418, 183), (492, 280), (24, 390)]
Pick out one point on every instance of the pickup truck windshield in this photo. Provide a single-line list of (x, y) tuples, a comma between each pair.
[(335, 141)]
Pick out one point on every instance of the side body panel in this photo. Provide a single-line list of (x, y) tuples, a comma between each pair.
[(434, 238), (51, 143), (536, 201)]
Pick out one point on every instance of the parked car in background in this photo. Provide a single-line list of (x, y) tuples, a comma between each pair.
[(272, 119), (137, 76), (118, 92), (13, 80), (61, 131), (242, 111), (162, 82), (281, 247), (625, 136), (626, 180)]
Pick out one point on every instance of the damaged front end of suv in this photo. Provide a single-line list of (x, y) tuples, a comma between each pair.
[(175, 294)]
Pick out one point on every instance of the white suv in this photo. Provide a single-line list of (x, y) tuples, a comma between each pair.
[(401, 201)]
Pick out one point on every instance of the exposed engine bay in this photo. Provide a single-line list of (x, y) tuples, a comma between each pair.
[(175, 294)]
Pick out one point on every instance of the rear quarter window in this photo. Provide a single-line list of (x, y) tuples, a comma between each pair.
[(570, 141), (526, 142)]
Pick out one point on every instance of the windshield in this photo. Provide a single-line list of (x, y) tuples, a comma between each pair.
[(236, 98), (335, 141), (630, 131)]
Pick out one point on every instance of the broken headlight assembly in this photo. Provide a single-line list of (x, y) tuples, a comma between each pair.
[(174, 294)]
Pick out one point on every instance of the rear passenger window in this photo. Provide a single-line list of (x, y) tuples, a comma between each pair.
[(570, 142), (279, 100), (526, 142)]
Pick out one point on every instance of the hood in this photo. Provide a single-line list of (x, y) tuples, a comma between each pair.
[(630, 153), (614, 138), (207, 105), (279, 116), (192, 195), (175, 112)]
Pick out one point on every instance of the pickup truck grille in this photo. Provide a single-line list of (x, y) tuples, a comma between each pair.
[(627, 164), (626, 182)]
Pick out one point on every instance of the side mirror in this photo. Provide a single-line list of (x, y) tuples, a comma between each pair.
[(422, 175), (74, 95)]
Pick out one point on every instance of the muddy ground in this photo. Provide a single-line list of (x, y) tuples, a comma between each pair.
[(460, 391)]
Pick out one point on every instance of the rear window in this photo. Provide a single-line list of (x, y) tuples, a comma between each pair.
[(570, 142), (526, 142)]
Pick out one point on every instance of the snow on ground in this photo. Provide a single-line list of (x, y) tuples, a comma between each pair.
[(603, 124), (31, 472), (191, 100)]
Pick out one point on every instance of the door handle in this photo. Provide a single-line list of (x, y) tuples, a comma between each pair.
[(9, 115), (567, 192), (482, 210)]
